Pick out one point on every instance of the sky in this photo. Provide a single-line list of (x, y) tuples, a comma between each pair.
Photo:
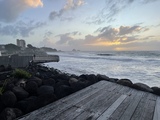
[(86, 25)]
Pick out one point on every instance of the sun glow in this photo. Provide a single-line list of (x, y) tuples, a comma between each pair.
[(105, 43)]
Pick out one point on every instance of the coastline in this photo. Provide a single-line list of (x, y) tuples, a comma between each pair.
[(48, 85)]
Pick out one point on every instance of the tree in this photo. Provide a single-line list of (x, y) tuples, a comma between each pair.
[(12, 47)]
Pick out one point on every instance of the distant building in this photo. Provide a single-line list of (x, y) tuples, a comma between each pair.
[(2, 49), (21, 43)]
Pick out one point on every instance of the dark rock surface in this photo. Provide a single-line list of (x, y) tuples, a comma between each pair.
[(9, 99), (143, 87), (44, 89), (125, 82), (20, 93)]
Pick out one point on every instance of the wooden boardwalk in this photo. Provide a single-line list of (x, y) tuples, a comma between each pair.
[(102, 101)]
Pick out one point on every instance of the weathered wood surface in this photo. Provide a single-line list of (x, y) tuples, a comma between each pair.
[(101, 101)]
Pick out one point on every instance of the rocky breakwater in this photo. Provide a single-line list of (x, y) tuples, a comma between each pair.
[(23, 91)]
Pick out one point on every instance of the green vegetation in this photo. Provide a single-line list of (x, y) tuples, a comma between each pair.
[(19, 73), (2, 88)]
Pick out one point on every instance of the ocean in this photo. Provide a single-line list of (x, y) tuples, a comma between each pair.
[(141, 66)]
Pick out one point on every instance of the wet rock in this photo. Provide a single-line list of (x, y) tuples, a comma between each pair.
[(125, 82), (10, 113), (31, 87), (45, 90), (9, 99), (156, 90), (20, 93), (143, 87)]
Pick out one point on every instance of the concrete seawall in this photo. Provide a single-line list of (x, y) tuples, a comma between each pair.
[(22, 61)]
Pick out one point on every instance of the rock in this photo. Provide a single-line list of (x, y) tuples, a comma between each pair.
[(143, 87), (10, 113), (31, 87), (49, 82), (2, 106), (45, 99), (45, 90), (156, 90), (83, 76), (10, 86), (27, 105), (9, 67), (102, 77), (62, 91), (125, 82), (20, 93), (72, 81), (92, 78), (2, 68), (9, 99), (82, 83), (113, 80), (20, 83), (37, 80)]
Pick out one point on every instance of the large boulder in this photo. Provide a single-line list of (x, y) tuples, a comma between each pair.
[(31, 87), (49, 82), (9, 99), (125, 82), (20, 93), (62, 91), (72, 81), (92, 78), (10, 113), (27, 105), (2, 68), (143, 87), (37, 80), (78, 85), (45, 90), (156, 90), (45, 99), (102, 77)]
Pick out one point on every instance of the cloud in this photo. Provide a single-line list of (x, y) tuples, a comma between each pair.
[(11, 9), (107, 36), (20, 28), (70, 5), (111, 9)]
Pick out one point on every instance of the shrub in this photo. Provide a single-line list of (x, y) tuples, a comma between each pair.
[(2, 88), (19, 73)]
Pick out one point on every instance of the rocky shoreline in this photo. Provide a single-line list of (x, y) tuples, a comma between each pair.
[(19, 95)]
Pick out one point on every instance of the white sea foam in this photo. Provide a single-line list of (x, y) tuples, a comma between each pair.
[(137, 66)]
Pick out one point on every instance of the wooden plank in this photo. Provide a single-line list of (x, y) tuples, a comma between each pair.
[(120, 110), (150, 108), (157, 110), (132, 106), (70, 100), (112, 108), (99, 106), (145, 109), (82, 105)]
